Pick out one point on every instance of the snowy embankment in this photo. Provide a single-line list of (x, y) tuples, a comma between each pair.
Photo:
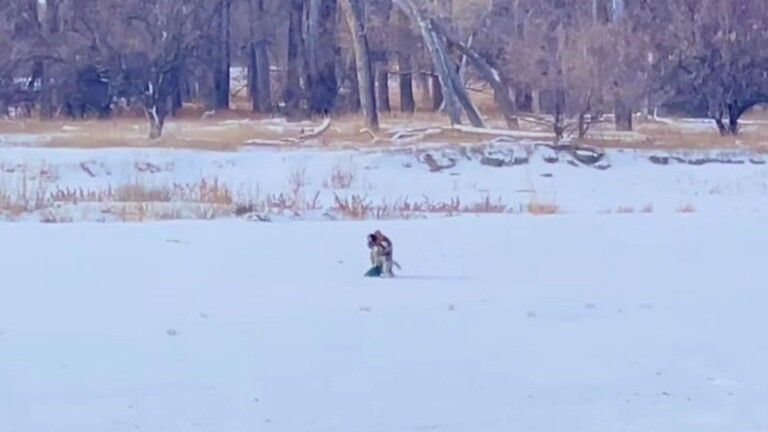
[(71, 185), (584, 323)]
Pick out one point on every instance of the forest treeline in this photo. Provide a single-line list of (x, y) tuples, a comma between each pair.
[(572, 61)]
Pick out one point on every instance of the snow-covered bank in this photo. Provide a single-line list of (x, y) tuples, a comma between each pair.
[(625, 181), (584, 323)]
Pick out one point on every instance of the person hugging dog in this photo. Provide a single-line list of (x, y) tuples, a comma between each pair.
[(381, 255)]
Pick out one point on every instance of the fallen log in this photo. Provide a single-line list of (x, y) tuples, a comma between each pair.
[(414, 135), (303, 137), (314, 133)]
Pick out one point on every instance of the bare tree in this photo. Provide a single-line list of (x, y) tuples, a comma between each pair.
[(355, 16), (258, 57), (721, 56), (150, 43)]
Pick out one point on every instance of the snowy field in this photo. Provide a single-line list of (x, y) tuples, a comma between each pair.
[(641, 323)]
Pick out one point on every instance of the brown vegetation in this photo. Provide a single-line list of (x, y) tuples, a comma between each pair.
[(540, 208)]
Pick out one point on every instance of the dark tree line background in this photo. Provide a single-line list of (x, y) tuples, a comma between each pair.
[(573, 61)]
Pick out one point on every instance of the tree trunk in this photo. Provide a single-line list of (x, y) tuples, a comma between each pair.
[(622, 116), (322, 82), (582, 125), (176, 99), (717, 115), (292, 92), (221, 76), (354, 16), (425, 93), (437, 93), (595, 12), (454, 94), (156, 113), (445, 71), (404, 46), (492, 76), (258, 63), (617, 9), (156, 123), (405, 79), (559, 114), (258, 77), (52, 21), (536, 101), (158, 99), (463, 66), (734, 113), (382, 87), (46, 102)]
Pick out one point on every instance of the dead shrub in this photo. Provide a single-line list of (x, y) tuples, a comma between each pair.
[(214, 192), (539, 208), (686, 208), (354, 207), (487, 206), (648, 208), (139, 193), (28, 194), (625, 210), (297, 180), (341, 177)]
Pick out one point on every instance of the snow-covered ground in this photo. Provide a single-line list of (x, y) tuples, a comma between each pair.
[(624, 181), (565, 323), (592, 319)]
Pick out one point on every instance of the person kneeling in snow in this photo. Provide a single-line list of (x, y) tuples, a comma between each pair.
[(381, 255)]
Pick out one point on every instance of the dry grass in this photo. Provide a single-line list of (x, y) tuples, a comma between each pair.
[(28, 191), (224, 132), (203, 192), (681, 134), (230, 130), (648, 208), (539, 208), (686, 208), (625, 210), (359, 207)]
